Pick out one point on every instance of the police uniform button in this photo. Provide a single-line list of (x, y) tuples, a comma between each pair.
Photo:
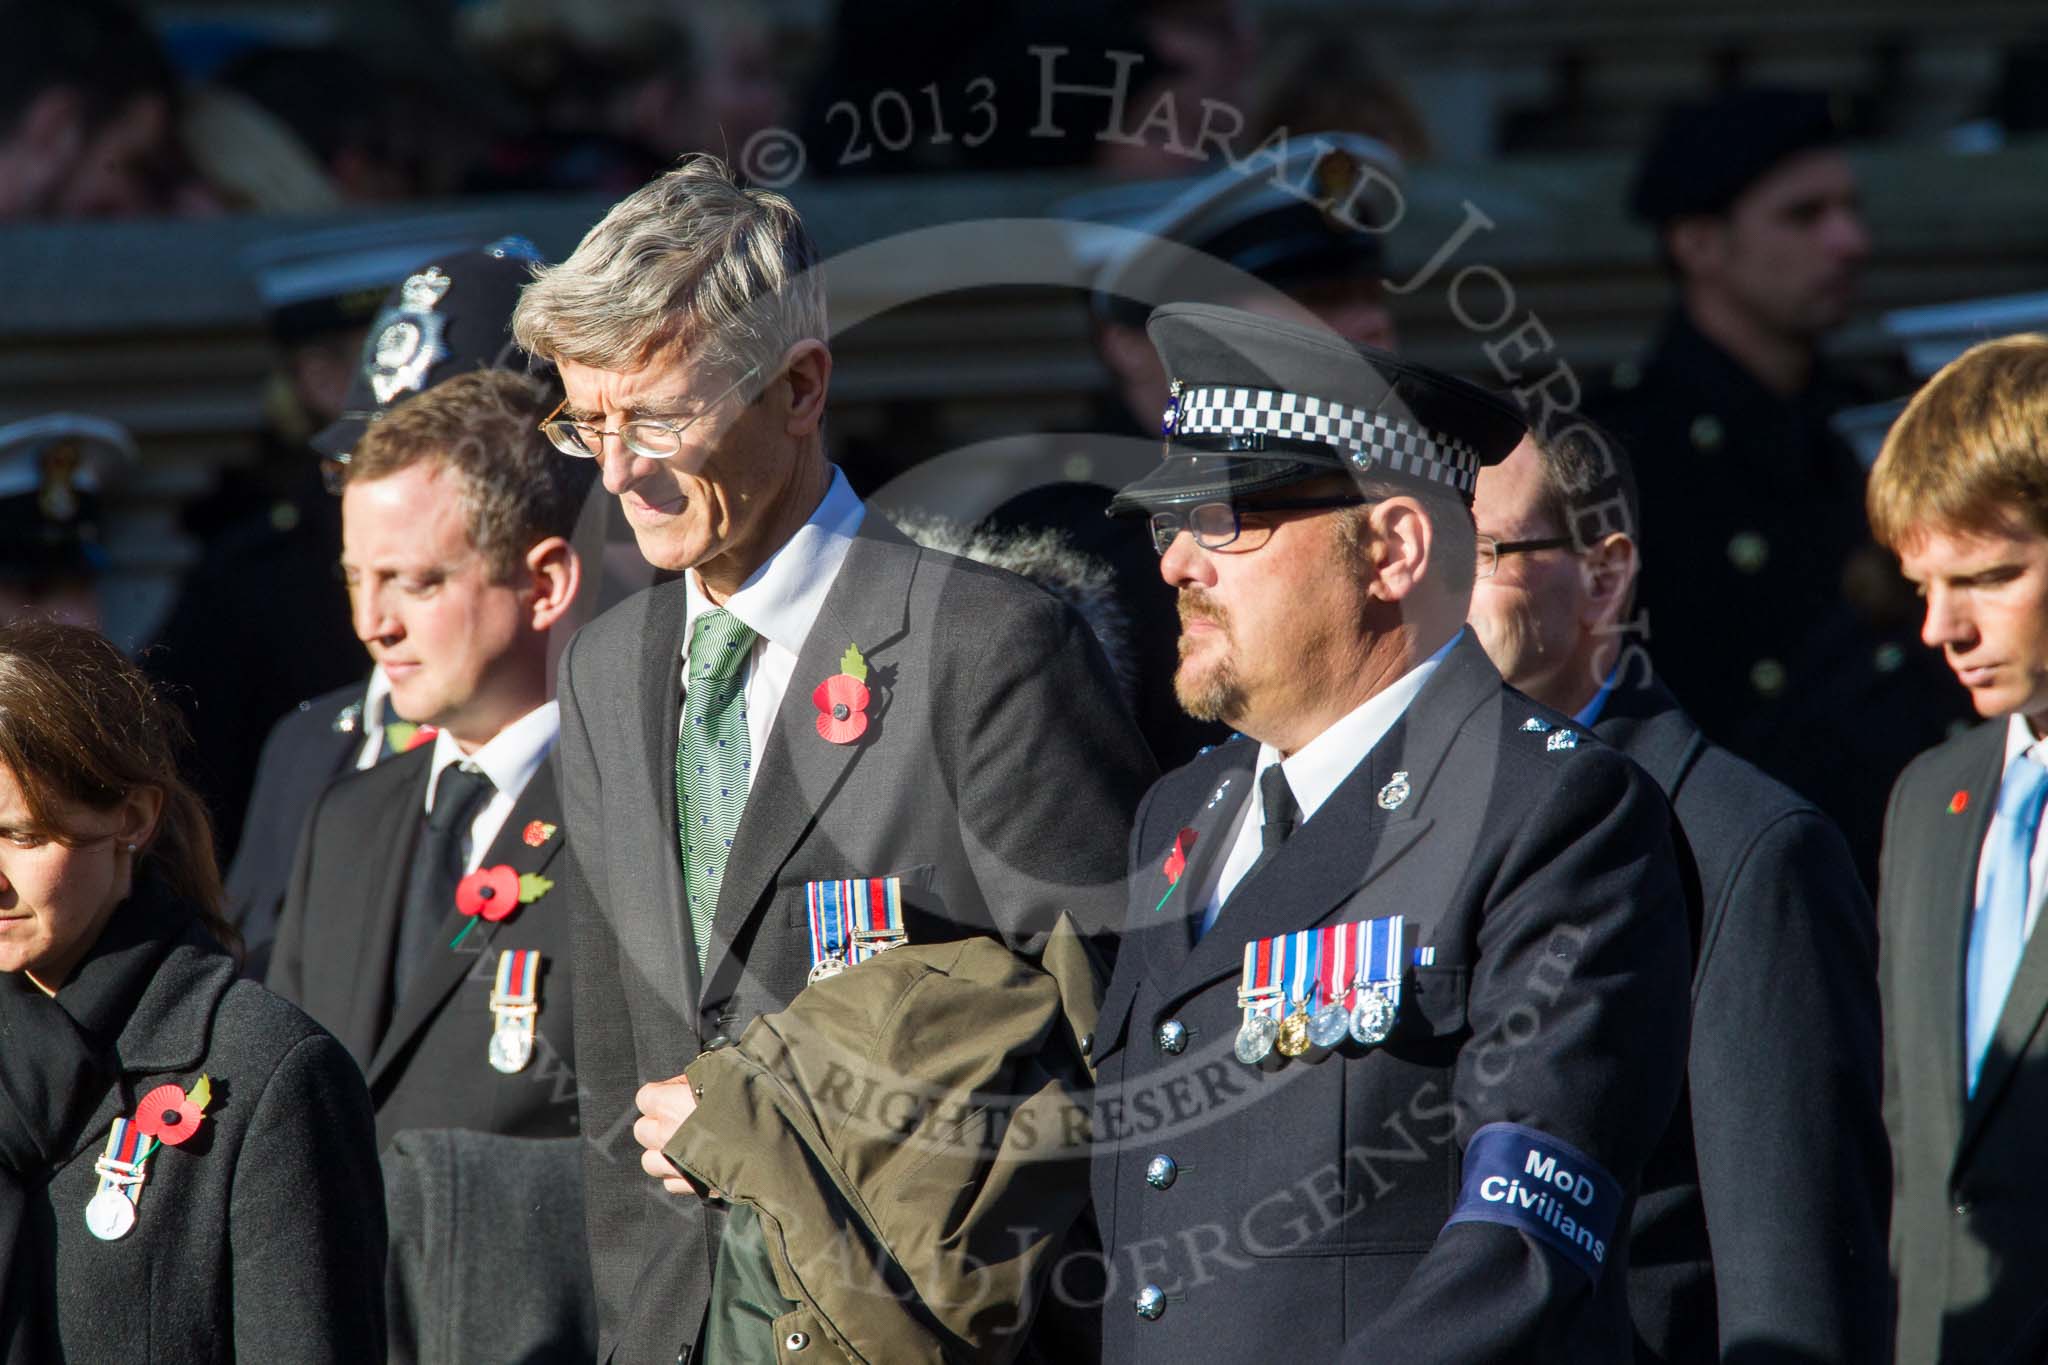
[(1160, 1172), (1706, 432), (1749, 552), (1151, 1302), (1087, 1045), (1173, 1037), (1767, 676), (796, 1341)]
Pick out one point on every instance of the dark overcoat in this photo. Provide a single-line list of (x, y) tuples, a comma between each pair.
[(309, 747), (259, 1239), (1760, 1231)]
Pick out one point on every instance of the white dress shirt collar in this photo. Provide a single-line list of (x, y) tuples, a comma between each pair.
[(1319, 766), (2019, 738), (780, 601), (509, 758)]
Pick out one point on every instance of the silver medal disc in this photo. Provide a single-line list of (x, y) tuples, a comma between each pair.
[(1328, 1025), (830, 967), (1372, 1018), (511, 1049), (1255, 1039), (109, 1215)]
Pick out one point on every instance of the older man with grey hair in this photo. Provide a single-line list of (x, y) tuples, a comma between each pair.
[(817, 711)]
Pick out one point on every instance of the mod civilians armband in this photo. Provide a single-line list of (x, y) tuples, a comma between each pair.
[(1527, 1180)]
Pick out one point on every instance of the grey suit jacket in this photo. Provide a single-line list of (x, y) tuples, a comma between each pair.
[(997, 775), (1969, 1210)]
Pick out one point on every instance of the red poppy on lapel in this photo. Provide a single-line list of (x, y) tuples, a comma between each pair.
[(1958, 803), (842, 700), (171, 1115), (493, 893), (1176, 864)]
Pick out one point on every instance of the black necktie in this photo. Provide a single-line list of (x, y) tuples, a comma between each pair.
[(436, 868), (1276, 800)]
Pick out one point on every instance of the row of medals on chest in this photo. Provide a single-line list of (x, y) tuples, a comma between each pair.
[(1368, 1022)]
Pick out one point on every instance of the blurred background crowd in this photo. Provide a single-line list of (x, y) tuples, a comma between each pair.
[(202, 203)]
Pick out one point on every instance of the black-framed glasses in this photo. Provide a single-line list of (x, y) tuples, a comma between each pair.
[(651, 438), (1487, 550), (1226, 526)]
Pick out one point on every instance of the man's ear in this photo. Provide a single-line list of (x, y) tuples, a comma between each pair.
[(556, 572), (807, 370), (1609, 572), (1697, 243), (1399, 541)]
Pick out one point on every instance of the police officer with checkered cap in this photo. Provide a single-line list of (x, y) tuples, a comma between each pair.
[(1445, 1174)]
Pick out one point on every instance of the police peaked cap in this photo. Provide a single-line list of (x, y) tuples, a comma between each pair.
[(1276, 218), (448, 317), (1259, 403), (54, 471), (1706, 153)]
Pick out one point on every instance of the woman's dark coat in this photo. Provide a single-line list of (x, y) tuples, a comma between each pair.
[(261, 1238)]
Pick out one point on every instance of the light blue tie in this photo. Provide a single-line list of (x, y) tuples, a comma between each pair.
[(1998, 930)]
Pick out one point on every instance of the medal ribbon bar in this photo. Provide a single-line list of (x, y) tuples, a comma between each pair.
[(878, 925), (518, 978)]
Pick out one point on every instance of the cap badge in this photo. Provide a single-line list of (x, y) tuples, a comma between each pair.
[(1171, 417), (1563, 739), (1535, 725), (406, 342), (1336, 174), (1395, 792), (57, 495)]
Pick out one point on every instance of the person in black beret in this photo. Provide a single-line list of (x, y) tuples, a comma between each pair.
[(1399, 1011), (1770, 611), (449, 317)]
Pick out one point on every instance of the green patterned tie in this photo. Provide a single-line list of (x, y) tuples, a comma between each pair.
[(712, 762)]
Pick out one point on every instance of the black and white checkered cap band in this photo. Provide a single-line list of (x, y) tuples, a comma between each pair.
[(1367, 439)]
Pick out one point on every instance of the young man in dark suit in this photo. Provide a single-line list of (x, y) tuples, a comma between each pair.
[(1961, 492), (1760, 1227), (1442, 1175), (427, 921), (817, 701), (455, 520), (451, 316)]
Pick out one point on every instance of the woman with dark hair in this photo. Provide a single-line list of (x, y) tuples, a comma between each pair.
[(187, 1166)]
